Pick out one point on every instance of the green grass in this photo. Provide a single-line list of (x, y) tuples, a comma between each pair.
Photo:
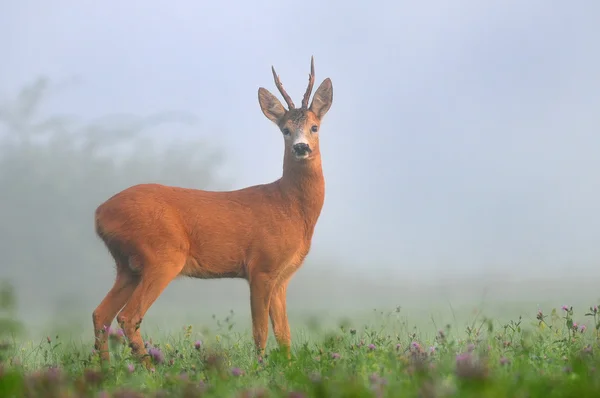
[(548, 356)]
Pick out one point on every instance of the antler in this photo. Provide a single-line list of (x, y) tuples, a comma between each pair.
[(311, 82), (285, 95)]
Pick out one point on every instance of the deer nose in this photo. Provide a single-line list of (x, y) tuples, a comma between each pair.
[(301, 148)]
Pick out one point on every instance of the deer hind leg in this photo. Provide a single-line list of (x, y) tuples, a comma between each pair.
[(261, 289), (156, 276), (105, 313), (279, 319)]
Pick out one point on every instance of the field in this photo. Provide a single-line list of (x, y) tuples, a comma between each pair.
[(546, 354)]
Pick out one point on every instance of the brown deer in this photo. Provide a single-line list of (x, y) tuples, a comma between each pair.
[(262, 233)]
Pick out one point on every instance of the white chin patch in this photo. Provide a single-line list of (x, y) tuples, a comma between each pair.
[(301, 157)]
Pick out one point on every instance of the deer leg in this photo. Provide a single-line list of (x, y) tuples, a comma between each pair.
[(261, 288), (105, 313), (155, 278), (279, 319)]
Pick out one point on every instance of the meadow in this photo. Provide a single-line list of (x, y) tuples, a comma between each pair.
[(547, 353)]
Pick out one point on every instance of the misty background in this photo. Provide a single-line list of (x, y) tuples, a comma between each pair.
[(460, 153)]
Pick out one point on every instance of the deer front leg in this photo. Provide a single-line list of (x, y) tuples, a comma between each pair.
[(261, 288), (279, 319)]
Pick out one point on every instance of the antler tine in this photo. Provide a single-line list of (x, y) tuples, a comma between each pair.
[(285, 95), (311, 82)]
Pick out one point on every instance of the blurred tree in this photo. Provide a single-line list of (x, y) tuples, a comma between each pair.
[(54, 173)]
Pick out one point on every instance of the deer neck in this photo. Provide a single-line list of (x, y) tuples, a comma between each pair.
[(303, 185)]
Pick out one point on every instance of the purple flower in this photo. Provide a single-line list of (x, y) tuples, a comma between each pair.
[(130, 368), (565, 308), (540, 315), (582, 328), (156, 354), (464, 357), (416, 346), (237, 372), (398, 347), (335, 355), (504, 361), (372, 346), (198, 344)]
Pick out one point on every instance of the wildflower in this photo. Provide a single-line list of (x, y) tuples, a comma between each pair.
[(540, 315), (582, 328), (464, 357), (468, 368), (398, 347), (504, 361), (48, 339), (431, 349), (335, 355), (471, 347), (156, 354), (372, 346), (130, 368), (415, 346), (565, 308), (237, 372), (587, 349), (198, 344)]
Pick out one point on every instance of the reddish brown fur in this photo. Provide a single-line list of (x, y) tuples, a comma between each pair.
[(261, 233)]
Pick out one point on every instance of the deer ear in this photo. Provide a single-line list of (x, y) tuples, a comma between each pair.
[(323, 98), (270, 105)]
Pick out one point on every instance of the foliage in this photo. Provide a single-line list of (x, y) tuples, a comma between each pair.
[(54, 172), (552, 357)]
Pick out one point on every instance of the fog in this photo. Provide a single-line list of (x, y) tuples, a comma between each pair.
[(460, 153)]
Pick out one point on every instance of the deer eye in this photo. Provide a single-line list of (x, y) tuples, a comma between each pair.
[(314, 128), (286, 131)]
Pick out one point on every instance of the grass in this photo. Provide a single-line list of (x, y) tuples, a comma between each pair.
[(551, 356)]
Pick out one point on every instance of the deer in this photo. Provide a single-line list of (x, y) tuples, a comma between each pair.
[(156, 233)]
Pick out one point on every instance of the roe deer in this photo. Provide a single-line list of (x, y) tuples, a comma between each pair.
[(262, 233)]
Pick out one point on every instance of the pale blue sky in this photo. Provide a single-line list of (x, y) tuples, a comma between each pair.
[(463, 135)]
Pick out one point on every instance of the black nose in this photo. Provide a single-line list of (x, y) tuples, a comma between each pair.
[(301, 149)]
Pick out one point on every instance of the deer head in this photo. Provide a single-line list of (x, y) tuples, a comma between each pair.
[(300, 126)]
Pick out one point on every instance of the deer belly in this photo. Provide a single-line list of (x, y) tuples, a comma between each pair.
[(195, 268)]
